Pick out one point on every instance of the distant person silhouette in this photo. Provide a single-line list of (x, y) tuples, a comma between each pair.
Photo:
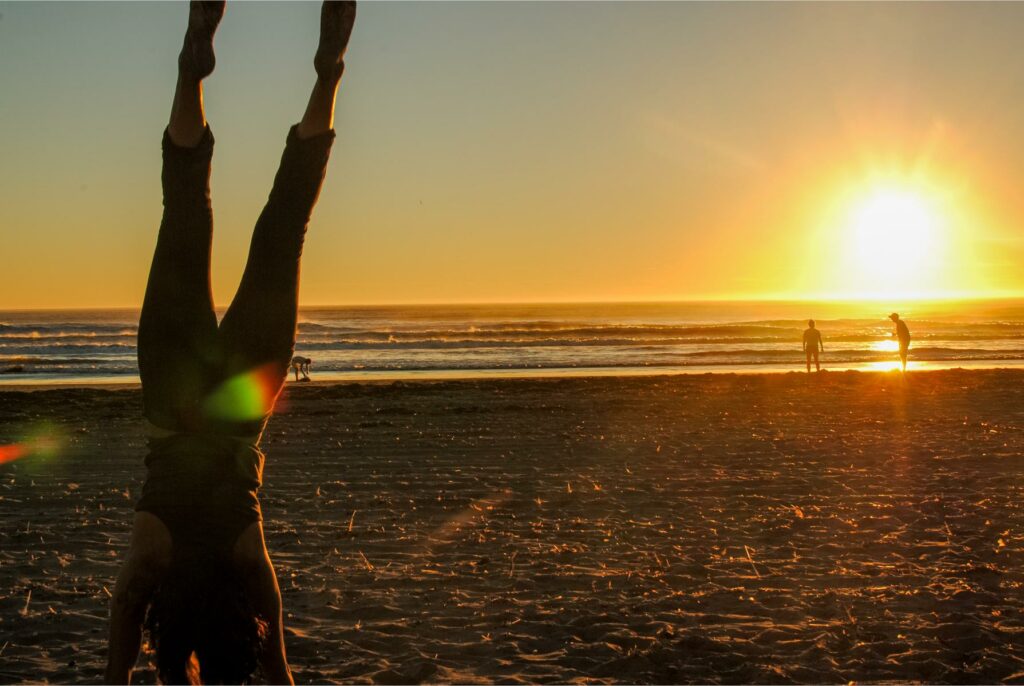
[(812, 343), (902, 333)]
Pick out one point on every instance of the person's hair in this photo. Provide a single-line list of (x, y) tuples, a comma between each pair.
[(201, 623), (810, 323)]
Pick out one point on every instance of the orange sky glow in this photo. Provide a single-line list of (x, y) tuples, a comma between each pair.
[(542, 152)]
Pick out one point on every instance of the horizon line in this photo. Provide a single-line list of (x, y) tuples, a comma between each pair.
[(771, 299)]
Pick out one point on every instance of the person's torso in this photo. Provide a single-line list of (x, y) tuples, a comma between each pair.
[(206, 456), (203, 487)]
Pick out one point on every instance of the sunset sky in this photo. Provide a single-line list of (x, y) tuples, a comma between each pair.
[(509, 152)]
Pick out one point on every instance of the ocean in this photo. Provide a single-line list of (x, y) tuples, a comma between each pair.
[(430, 341)]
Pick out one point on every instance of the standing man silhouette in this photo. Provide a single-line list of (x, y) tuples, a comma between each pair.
[(812, 343), (902, 333)]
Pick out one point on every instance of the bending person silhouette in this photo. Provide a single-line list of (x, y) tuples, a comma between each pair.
[(812, 342), (197, 573), (301, 364), (902, 334)]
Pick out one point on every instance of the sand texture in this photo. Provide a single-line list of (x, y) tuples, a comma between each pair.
[(725, 528)]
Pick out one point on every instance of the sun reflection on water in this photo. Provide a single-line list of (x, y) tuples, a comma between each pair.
[(888, 345), (884, 366)]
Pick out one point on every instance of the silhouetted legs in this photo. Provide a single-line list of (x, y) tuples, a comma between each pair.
[(177, 345), (258, 330), (182, 352)]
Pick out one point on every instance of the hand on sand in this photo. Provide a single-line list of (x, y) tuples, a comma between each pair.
[(336, 20), (196, 59)]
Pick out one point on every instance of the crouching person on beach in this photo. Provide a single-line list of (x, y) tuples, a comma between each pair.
[(301, 364), (198, 575)]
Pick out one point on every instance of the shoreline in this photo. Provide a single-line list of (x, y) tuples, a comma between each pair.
[(428, 376)]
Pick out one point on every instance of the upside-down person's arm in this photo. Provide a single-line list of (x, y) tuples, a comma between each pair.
[(128, 603), (253, 561), (149, 555)]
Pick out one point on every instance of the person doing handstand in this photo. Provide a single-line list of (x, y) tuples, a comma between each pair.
[(197, 573)]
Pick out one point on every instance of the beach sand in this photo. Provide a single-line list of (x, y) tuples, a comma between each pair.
[(715, 528)]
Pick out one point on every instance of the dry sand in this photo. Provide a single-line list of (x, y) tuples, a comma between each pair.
[(726, 528)]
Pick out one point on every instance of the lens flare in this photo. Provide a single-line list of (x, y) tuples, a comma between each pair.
[(44, 443), (245, 397), (15, 451)]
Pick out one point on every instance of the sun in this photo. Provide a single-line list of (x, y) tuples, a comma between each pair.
[(895, 238), (896, 231)]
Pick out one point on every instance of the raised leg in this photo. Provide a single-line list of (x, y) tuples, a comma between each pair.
[(178, 327), (149, 554), (258, 330), (257, 333)]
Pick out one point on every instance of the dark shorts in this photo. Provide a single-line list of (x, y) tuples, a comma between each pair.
[(203, 487)]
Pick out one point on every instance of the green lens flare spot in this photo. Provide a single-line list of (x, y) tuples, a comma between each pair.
[(244, 397)]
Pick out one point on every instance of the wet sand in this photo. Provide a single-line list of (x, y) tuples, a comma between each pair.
[(719, 528)]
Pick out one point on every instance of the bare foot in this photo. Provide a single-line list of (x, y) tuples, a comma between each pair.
[(196, 59), (336, 20)]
